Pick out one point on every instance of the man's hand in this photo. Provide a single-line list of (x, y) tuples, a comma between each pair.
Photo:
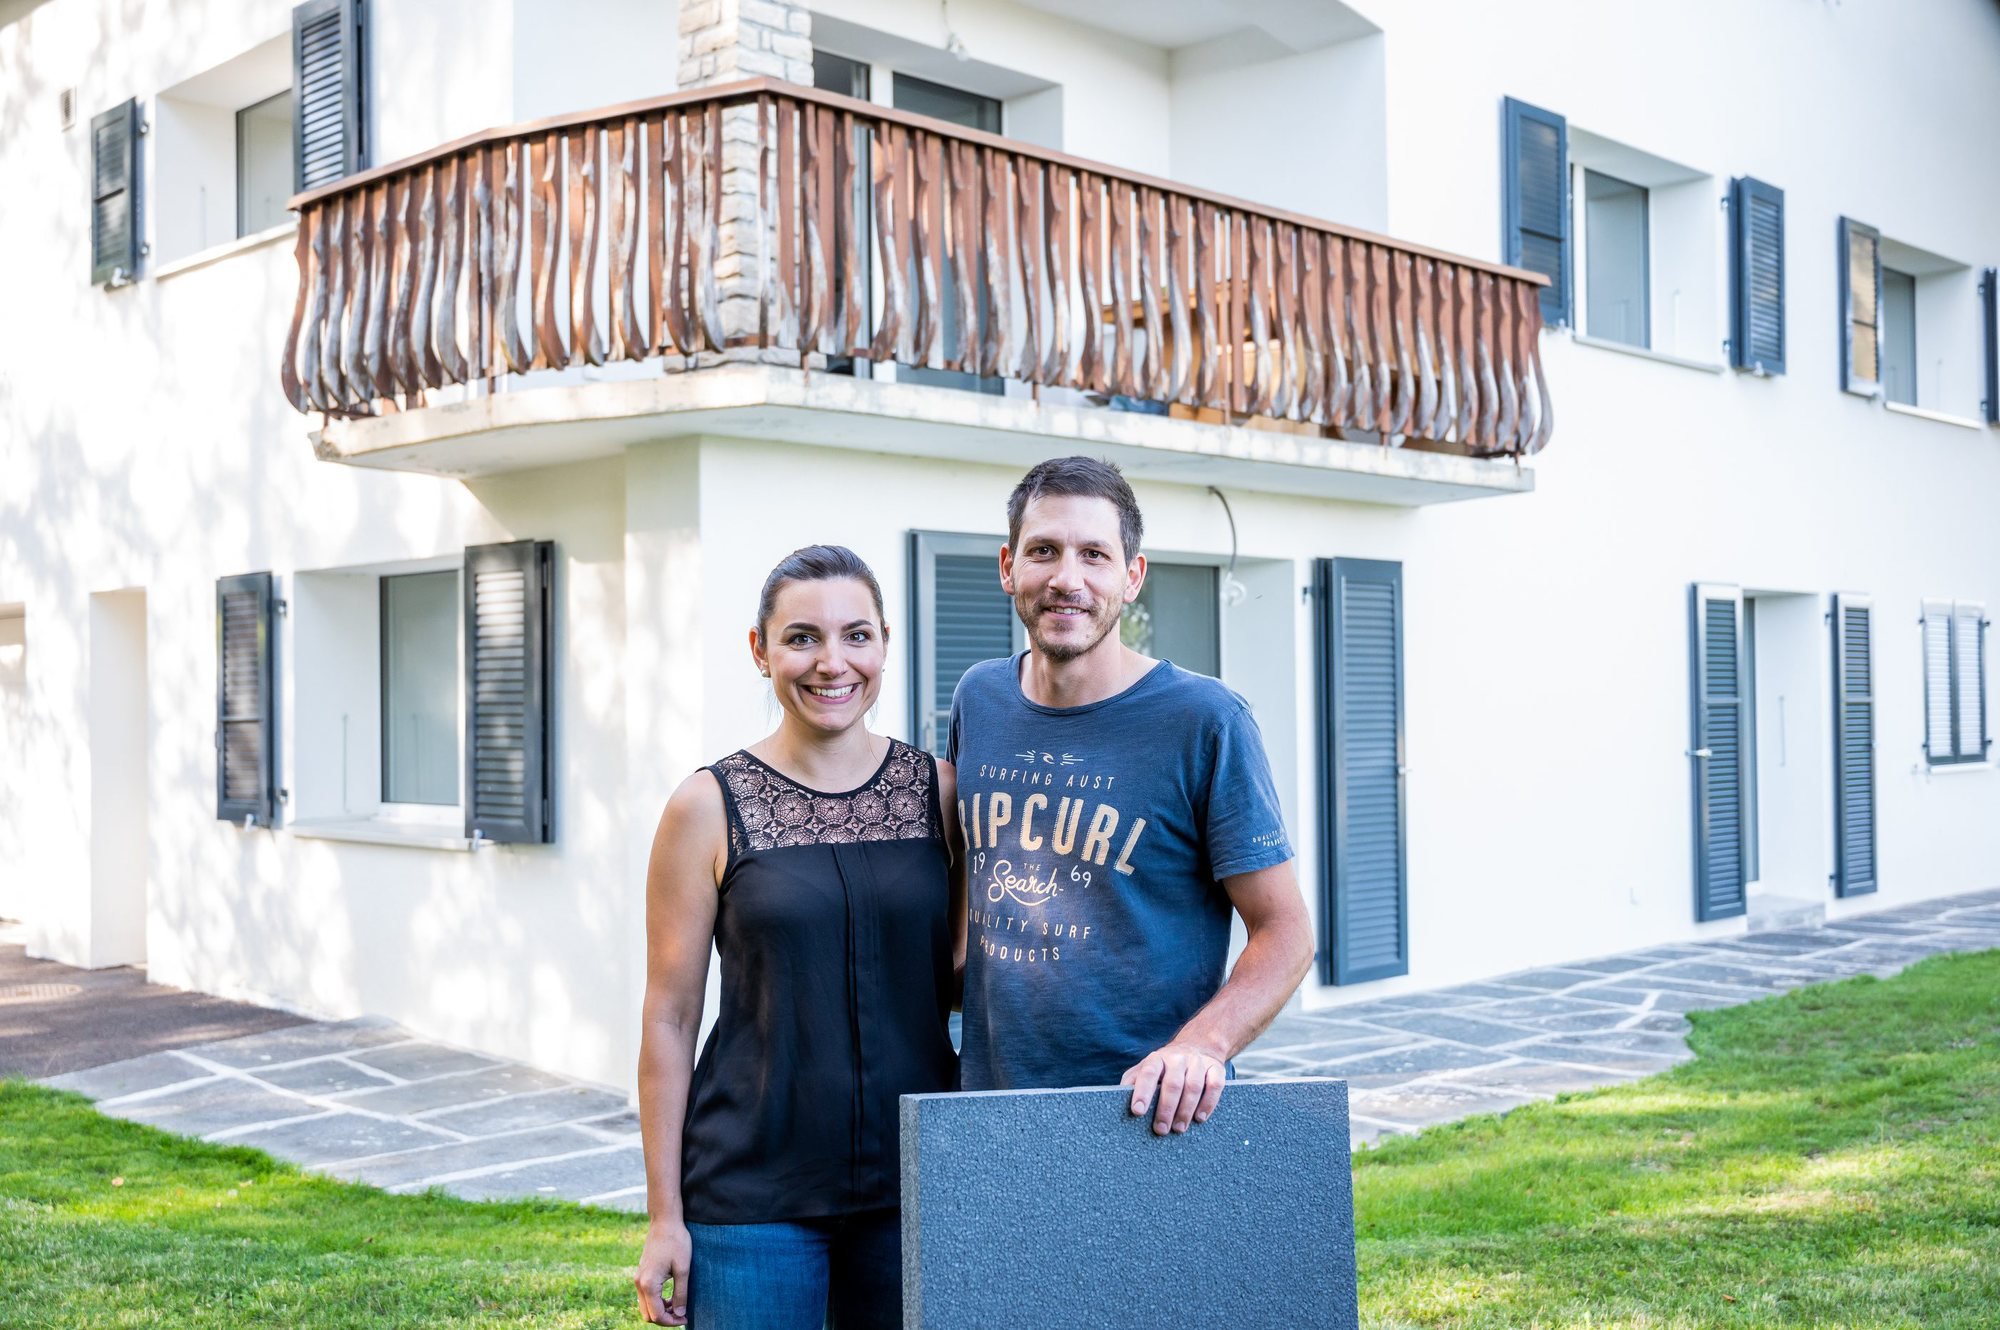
[(1186, 1080)]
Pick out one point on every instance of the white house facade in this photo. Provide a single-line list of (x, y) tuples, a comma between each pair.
[(1571, 427)]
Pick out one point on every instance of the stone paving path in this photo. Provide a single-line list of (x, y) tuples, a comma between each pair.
[(367, 1101)]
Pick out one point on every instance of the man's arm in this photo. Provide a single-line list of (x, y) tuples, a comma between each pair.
[(1186, 1076)]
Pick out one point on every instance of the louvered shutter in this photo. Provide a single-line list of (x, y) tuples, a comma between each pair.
[(246, 731), (1989, 322), (114, 194), (1364, 900), (1860, 308), (1939, 727), (1968, 680), (1719, 712), (509, 598), (329, 91), (1535, 200), (1757, 273), (1853, 746), (959, 616)]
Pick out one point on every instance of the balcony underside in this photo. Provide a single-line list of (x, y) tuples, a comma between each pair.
[(548, 426)]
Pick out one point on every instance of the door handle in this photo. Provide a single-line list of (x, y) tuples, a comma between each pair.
[(1701, 752)]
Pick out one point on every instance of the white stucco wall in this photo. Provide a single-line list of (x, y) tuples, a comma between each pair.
[(147, 449)]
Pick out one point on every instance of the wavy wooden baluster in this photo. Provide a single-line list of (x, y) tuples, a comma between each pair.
[(616, 251), (708, 291), (1029, 243), (1339, 341), (1466, 309), (451, 262), (1092, 368), (400, 371), (1402, 323), (631, 239), (1485, 431), (1152, 370), (998, 334), (1207, 380), (1508, 427), (1524, 370), (883, 156), (1531, 326), (514, 348), (1285, 278), (1257, 303), (961, 218), (816, 293), (1383, 336), (1423, 301), (1180, 353), (288, 367), (1361, 340), (1055, 365), (1237, 359), (653, 167), (481, 320), (1122, 381), (927, 243), (587, 204), (679, 309), (545, 171), (1312, 327), (787, 331), (1443, 279), (424, 366), (765, 242), (353, 334), (850, 235)]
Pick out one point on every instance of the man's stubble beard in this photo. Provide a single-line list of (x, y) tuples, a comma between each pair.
[(1028, 611)]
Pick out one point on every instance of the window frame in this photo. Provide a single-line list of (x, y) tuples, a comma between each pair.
[(243, 227), (409, 810), (1584, 248)]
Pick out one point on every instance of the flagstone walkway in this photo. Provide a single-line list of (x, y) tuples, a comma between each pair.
[(367, 1101)]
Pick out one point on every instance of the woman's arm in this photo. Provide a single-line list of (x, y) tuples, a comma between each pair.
[(954, 840), (689, 850)]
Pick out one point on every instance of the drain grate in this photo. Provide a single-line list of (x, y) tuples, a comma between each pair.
[(38, 992)]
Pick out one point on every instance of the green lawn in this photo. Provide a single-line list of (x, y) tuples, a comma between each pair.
[(1831, 1159)]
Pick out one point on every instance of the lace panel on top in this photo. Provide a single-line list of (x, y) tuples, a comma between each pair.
[(769, 811)]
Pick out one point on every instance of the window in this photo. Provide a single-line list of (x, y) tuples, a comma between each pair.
[(1954, 682), (422, 698), (1899, 337), (1177, 617), (263, 164), (961, 617), (420, 688), (1913, 326), (1614, 244)]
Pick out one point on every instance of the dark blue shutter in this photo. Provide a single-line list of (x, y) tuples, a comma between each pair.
[(1989, 323), (246, 729), (1535, 200), (509, 616), (1718, 680), (959, 616), (329, 91), (1853, 746), (1757, 276), (114, 194), (1860, 308), (1364, 898)]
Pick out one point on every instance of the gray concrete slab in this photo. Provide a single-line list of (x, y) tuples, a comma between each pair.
[(1135, 1216), (1458, 1029), (452, 1090), (570, 1103), (419, 1061), (1533, 1076), (1425, 1103), (1402, 1064), (322, 1039), (337, 1136), (322, 1076), (610, 1169), (209, 1106), (1551, 980), (441, 1160), (149, 1071)]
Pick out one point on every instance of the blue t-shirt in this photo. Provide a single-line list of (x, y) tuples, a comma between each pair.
[(1097, 837)]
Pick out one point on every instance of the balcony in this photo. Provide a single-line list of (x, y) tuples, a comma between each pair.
[(718, 260)]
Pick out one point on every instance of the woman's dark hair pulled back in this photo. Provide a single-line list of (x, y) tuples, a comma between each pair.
[(817, 563)]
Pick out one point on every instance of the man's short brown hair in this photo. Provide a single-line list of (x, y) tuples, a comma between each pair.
[(1080, 477)]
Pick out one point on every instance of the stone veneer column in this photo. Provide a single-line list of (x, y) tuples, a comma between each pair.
[(722, 41)]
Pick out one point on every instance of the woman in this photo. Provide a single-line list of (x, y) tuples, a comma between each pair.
[(823, 866)]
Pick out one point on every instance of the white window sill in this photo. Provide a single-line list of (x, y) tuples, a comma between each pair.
[(229, 249), (1924, 413), (1952, 768), (379, 831), (1645, 353)]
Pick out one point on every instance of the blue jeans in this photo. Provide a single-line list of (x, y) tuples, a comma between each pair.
[(844, 1273)]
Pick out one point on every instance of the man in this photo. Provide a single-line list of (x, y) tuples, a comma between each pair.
[(1116, 808)]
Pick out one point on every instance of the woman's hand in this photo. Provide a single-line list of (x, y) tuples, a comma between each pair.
[(665, 1257)]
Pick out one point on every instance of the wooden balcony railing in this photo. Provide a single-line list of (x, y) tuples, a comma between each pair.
[(733, 217)]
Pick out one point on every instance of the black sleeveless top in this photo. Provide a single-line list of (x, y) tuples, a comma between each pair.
[(834, 929)]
